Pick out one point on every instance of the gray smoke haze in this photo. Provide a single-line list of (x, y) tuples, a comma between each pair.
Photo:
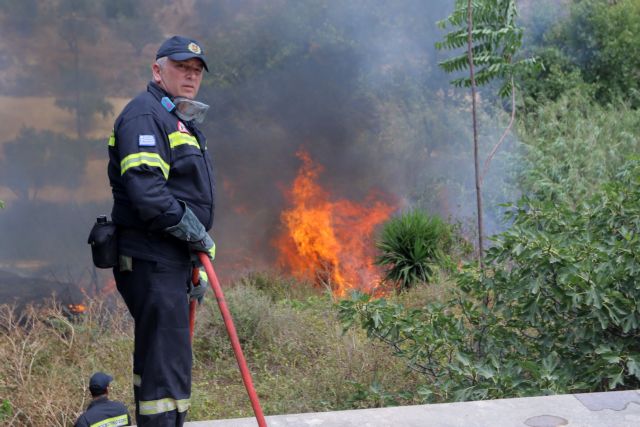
[(355, 83)]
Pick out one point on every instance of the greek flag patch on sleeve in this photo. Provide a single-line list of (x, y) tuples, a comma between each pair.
[(146, 141)]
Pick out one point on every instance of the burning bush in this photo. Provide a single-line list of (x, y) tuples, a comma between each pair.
[(326, 241)]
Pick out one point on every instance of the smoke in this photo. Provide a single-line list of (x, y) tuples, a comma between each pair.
[(356, 84)]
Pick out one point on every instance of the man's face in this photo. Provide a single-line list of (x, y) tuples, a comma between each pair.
[(179, 78)]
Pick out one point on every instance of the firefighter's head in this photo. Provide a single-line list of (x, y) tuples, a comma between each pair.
[(179, 66), (99, 384)]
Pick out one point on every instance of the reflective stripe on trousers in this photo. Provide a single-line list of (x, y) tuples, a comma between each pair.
[(156, 295), (152, 407)]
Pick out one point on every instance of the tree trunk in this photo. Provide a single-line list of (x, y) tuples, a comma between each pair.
[(475, 134)]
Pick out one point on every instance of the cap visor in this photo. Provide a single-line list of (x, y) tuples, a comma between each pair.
[(185, 56)]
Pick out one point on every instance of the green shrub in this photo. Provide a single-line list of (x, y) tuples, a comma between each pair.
[(573, 145), (412, 246), (6, 410), (563, 313), (559, 77)]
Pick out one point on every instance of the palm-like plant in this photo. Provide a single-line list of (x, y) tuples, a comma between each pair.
[(411, 246)]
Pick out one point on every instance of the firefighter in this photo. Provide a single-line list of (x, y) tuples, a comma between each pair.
[(161, 176), (103, 412)]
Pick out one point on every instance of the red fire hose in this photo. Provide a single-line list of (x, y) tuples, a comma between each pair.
[(231, 329), (195, 279)]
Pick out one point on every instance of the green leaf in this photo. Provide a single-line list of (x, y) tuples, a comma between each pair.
[(463, 359), (633, 366)]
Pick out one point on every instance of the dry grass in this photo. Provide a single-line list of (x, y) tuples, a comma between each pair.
[(299, 357), (419, 296), (46, 360)]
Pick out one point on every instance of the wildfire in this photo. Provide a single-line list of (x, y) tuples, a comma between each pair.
[(329, 242), (76, 309)]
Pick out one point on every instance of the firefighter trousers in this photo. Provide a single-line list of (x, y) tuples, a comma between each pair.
[(156, 295)]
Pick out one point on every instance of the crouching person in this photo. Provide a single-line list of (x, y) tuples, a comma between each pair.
[(103, 412)]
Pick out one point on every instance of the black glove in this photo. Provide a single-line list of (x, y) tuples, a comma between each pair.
[(191, 230)]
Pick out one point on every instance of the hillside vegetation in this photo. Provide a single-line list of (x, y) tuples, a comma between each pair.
[(300, 359), (555, 310)]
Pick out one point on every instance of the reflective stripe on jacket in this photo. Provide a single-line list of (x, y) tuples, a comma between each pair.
[(155, 160), (103, 412)]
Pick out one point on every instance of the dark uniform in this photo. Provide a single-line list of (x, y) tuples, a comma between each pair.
[(157, 162), (103, 412)]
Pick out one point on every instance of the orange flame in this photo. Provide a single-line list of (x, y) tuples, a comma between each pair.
[(329, 242), (76, 308)]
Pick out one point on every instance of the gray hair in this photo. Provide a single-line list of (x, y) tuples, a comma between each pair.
[(161, 61)]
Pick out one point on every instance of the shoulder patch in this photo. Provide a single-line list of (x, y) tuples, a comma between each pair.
[(146, 141), (182, 128)]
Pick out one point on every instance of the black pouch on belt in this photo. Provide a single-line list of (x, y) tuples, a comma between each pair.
[(104, 243)]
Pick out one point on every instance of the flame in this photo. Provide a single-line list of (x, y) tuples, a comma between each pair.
[(329, 242), (76, 308)]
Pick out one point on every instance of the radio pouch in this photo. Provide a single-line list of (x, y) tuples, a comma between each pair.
[(104, 243)]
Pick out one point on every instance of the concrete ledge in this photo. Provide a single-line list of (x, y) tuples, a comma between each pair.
[(611, 409)]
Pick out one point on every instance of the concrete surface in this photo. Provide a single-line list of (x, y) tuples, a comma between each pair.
[(611, 409)]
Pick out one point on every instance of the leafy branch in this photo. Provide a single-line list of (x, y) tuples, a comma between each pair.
[(488, 30)]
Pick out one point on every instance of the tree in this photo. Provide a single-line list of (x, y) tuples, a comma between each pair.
[(593, 45), (127, 19), (39, 158), (77, 25), (602, 39), (492, 38)]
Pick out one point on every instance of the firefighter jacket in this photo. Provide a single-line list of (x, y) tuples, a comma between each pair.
[(103, 412), (157, 161)]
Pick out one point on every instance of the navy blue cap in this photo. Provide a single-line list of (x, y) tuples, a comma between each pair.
[(99, 381), (181, 48)]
